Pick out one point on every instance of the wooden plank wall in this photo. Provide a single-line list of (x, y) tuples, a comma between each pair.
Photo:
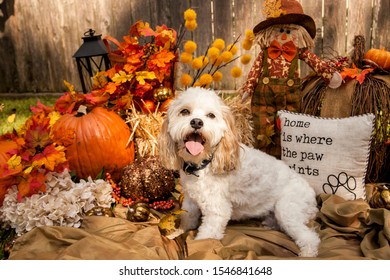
[(39, 37)]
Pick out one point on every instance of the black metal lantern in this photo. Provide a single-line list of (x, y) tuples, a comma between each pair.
[(91, 57)]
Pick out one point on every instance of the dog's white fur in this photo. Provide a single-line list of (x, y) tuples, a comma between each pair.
[(240, 182)]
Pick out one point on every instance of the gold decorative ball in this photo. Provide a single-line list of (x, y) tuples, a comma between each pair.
[(100, 211), (162, 93), (138, 212)]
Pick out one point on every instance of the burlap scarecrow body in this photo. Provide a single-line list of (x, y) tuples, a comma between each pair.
[(274, 80)]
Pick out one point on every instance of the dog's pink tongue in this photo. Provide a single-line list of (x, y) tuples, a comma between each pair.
[(195, 148)]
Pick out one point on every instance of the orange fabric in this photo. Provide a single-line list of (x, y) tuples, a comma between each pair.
[(287, 50)]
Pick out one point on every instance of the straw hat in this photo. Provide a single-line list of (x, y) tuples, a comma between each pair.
[(286, 12)]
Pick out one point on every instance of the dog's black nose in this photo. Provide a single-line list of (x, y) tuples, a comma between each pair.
[(196, 123)]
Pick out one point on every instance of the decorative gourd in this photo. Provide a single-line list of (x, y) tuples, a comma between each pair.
[(5, 181), (379, 56), (100, 140)]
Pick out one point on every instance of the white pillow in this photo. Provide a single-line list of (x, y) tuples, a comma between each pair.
[(332, 154)]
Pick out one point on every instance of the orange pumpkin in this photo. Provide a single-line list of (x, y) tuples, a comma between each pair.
[(100, 140), (380, 56), (7, 181)]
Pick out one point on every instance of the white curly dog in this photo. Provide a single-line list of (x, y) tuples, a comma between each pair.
[(224, 180)]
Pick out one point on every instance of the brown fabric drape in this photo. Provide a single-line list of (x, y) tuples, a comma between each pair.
[(348, 230)]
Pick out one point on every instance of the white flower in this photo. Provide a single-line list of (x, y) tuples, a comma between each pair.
[(63, 204)]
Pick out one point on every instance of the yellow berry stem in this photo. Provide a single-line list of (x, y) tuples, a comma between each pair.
[(235, 42), (201, 70), (221, 66)]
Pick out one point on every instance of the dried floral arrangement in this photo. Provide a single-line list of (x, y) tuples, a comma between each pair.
[(36, 178)]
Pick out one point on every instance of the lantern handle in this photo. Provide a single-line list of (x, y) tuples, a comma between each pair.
[(90, 32)]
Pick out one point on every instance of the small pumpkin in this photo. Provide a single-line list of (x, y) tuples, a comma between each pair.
[(148, 106), (381, 57), (100, 140), (5, 181), (164, 105)]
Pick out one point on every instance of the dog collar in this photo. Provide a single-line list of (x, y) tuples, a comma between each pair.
[(191, 168)]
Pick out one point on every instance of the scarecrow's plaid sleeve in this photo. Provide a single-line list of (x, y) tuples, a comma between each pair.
[(253, 76), (322, 68)]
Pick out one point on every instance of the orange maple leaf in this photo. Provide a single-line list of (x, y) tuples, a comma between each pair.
[(123, 102), (63, 137), (356, 73), (111, 88), (129, 68), (141, 28), (162, 58), (97, 98), (38, 134), (130, 40), (141, 89), (50, 157), (111, 72), (134, 59), (166, 36), (66, 103), (31, 184)]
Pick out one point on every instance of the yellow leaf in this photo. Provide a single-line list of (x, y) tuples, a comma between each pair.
[(69, 86), (99, 80), (141, 76), (11, 118), (122, 77), (270, 130), (29, 169), (54, 116), (171, 222), (14, 162)]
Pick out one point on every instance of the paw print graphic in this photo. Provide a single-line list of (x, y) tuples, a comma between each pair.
[(343, 181)]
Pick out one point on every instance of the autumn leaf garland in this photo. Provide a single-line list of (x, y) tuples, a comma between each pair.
[(36, 155)]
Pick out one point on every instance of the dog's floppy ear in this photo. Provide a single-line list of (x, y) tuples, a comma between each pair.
[(167, 149), (227, 155)]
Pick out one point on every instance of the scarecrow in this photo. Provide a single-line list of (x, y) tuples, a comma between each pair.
[(273, 82)]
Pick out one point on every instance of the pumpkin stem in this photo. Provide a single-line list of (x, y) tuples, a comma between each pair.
[(81, 111)]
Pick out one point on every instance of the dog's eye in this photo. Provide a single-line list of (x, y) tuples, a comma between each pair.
[(185, 112), (211, 115)]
